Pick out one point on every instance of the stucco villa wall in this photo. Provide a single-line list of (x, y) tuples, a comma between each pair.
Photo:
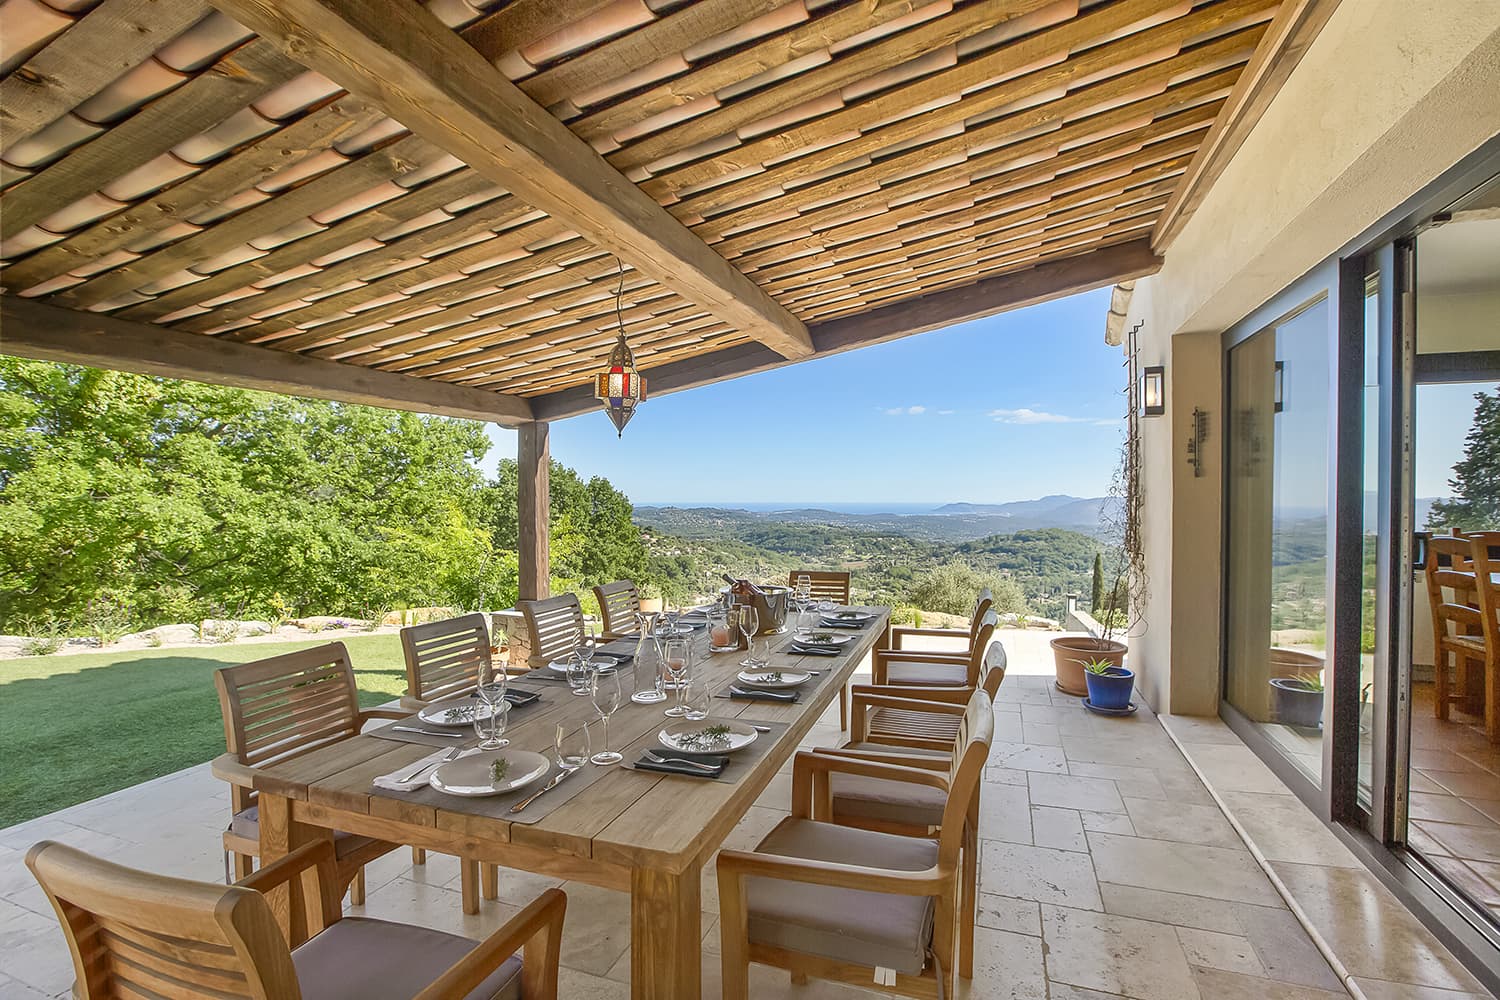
[(1391, 94)]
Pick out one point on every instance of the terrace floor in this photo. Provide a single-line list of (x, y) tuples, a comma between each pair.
[(1107, 870)]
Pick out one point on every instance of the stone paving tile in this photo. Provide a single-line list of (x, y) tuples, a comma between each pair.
[(1060, 828), (1019, 916), (1188, 824), (1218, 985), (1226, 952), (1216, 872), (1100, 951), (1069, 792), (1039, 873)]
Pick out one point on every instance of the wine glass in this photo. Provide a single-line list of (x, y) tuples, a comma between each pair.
[(572, 747), (607, 695), (748, 620), (491, 689), (803, 591), (490, 726), (677, 657)]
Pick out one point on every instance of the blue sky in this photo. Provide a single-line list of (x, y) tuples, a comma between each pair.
[(1011, 407)]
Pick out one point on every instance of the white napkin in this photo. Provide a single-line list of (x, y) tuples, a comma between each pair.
[(390, 782)]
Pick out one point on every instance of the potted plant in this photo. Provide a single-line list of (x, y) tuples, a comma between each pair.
[(1109, 684), (1124, 603), (1298, 701), (651, 598)]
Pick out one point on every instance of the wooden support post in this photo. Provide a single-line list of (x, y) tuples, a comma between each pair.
[(533, 508)]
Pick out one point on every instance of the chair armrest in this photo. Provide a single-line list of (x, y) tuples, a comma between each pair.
[(318, 856), (899, 632), (737, 865), (228, 767), (811, 798), (932, 699), (891, 756), (537, 929), (921, 656)]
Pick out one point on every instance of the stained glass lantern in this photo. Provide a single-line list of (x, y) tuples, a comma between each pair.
[(620, 387)]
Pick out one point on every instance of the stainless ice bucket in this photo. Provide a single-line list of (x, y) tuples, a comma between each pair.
[(770, 604)]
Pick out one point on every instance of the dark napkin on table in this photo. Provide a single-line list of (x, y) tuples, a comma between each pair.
[(716, 761), (760, 694), (836, 623), (805, 650)]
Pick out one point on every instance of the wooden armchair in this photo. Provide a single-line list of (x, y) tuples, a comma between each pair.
[(852, 905), (827, 585), (915, 717), (982, 604), (930, 669), (135, 934), (555, 624), (1457, 627), (1484, 547), (279, 708), (445, 660), (619, 603)]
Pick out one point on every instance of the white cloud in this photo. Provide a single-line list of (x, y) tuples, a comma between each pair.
[(1029, 415), (945, 413), (906, 411)]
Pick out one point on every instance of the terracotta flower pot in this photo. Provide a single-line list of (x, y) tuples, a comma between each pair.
[(1069, 653)]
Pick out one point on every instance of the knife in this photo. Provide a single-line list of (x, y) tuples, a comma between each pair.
[(426, 732), (551, 784)]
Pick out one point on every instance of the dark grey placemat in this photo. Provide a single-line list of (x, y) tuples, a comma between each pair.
[(740, 762)]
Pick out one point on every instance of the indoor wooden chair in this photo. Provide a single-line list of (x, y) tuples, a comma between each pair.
[(851, 905), (828, 585), (135, 934), (930, 669), (445, 660), (901, 633), (1484, 547), (619, 603), (279, 708), (555, 624), (1457, 628)]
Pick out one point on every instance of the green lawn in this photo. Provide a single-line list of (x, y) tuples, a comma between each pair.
[(75, 727)]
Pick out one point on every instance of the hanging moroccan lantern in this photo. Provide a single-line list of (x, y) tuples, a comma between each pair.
[(620, 387)]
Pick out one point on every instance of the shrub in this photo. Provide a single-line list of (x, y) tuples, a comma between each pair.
[(46, 637), (952, 587)]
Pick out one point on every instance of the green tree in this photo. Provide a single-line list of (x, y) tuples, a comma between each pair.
[(1096, 598), (1475, 504), (952, 587)]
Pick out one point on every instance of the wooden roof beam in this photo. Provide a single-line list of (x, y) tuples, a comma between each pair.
[(403, 59), (1121, 262), (33, 329)]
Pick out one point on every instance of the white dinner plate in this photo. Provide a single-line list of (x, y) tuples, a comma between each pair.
[(775, 678), (455, 713), (824, 637), (848, 617), (603, 661), (474, 775), (678, 735)]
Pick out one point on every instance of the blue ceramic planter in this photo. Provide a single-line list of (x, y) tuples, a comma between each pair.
[(1110, 690)]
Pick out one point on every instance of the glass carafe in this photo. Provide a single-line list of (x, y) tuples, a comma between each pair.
[(647, 683)]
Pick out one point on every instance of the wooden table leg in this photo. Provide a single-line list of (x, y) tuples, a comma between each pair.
[(280, 835), (666, 934)]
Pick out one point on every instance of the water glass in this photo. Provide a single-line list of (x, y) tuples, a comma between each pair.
[(721, 637), (808, 618), (697, 701), (677, 657), (607, 695), (580, 672), (572, 747), (803, 589), (490, 726)]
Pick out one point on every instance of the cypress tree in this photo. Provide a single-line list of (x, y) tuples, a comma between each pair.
[(1097, 597)]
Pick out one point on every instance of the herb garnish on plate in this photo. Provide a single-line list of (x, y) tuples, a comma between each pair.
[(462, 713), (712, 736), (498, 769)]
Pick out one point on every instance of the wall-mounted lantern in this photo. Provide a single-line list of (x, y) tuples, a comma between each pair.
[(1153, 390)]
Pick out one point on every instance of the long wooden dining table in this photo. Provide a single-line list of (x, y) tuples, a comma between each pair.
[(646, 832)]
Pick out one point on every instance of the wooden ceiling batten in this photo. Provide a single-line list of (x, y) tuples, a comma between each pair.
[(793, 165), (403, 59)]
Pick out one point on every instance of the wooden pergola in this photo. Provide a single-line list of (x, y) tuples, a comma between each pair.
[(427, 207)]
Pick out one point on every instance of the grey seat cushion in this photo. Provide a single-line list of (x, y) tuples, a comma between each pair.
[(246, 823), (857, 796), (363, 959), (933, 674), (849, 925)]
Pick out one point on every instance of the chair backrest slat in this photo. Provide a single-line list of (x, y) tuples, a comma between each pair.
[(555, 624), (827, 585), (133, 934), (286, 705), (981, 645), (444, 659), (1452, 586), (992, 670), (1485, 550), (982, 605), (619, 603)]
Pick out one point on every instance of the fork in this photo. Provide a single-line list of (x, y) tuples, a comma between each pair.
[(450, 755), (656, 758)]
